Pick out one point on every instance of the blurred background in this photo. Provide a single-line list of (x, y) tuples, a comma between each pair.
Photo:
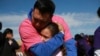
[(80, 15)]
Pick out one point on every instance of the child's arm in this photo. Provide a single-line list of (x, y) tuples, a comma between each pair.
[(47, 48)]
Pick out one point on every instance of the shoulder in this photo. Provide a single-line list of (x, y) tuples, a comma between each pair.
[(0, 33), (25, 21), (26, 25), (57, 18), (97, 30)]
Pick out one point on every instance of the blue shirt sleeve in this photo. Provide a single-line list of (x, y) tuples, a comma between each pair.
[(71, 47), (47, 48)]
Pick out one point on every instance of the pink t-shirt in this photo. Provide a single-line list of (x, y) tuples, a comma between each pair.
[(30, 36)]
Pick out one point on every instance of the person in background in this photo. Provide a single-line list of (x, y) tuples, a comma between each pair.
[(0, 25), (1, 39), (10, 44), (39, 17), (1, 35), (91, 42), (49, 32), (80, 48), (84, 47), (97, 38)]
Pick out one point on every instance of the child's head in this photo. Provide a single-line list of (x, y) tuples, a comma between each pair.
[(50, 30), (8, 33)]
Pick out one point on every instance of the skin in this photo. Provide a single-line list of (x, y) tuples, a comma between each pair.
[(46, 34), (39, 20), (9, 35)]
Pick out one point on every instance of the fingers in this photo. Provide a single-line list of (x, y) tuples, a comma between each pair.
[(60, 26)]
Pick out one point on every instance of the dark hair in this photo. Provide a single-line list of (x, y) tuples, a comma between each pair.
[(78, 37), (45, 6), (53, 28), (0, 25), (98, 11), (6, 31)]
